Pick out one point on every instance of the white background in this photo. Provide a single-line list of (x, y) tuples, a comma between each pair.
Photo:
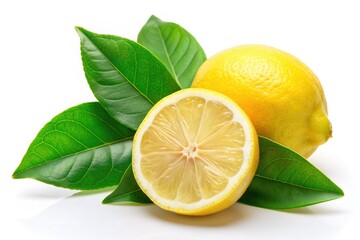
[(41, 75)]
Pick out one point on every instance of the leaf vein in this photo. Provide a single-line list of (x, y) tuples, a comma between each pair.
[(292, 184), (73, 154), (167, 54), (110, 63)]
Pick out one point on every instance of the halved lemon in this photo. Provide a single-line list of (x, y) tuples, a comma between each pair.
[(195, 153)]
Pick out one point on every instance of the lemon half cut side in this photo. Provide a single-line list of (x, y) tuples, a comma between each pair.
[(195, 153)]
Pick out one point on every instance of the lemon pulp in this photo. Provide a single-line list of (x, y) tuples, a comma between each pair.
[(195, 153)]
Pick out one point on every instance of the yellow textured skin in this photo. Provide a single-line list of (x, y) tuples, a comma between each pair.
[(281, 95)]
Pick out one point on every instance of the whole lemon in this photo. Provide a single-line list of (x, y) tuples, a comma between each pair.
[(281, 95)]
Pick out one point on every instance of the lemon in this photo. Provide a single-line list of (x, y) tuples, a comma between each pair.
[(281, 95), (195, 153)]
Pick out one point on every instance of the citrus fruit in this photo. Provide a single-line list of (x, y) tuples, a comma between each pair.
[(195, 153), (281, 95)]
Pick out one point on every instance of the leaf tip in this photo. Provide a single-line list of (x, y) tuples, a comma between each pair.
[(17, 174), (153, 17), (82, 32), (340, 192), (79, 30), (107, 200), (14, 176)]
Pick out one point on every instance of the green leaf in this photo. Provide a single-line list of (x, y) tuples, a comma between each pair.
[(175, 47), (285, 180), (124, 76), (81, 148), (128, 191)]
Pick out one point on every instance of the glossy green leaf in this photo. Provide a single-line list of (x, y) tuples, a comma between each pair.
[(128, 191), (285, 180), (81, 148), (124, 76), (175, 47)]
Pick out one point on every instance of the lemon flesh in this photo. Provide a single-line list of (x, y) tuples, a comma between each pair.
[(281, 95), (195, 153)]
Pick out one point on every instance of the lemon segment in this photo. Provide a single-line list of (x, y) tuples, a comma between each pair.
[(195, 153)]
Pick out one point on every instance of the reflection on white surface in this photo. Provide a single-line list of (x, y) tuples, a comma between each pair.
[(84, 217)]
